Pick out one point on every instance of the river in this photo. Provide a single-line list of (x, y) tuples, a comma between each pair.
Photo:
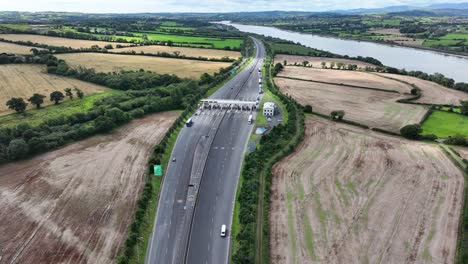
[(452, 66)]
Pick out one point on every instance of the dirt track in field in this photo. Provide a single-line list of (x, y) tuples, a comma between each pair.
[(23, 80), (373, 108), (191, 52), (317, 61), (75, 204), (432, 93), (349, 195), (356, 78), (59, 42), (115, 63)]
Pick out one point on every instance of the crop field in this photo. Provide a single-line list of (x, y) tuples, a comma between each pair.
[(373, 108), (14, 48), (386, 31), (75, 204), (317, 61), (190, 52), (356, 78), (445, 124), (218, 43), (18, 80), (347, 195), (115, 63), (59, 42), (432, 93)]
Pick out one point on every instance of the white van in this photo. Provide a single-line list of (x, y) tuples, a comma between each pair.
[(223, 230)]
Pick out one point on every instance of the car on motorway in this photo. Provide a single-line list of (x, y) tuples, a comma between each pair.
[(173, 159), (223, 230)]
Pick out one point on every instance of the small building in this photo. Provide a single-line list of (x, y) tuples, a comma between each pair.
[(269, 109)]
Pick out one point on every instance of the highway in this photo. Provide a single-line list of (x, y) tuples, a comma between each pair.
[(198, 191)]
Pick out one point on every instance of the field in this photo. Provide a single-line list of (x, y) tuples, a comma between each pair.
[(286, 48), (432, 93), (317, 61), (25, 80), (75, 204), (13, 48), (191, 52), (115, 63), (347, 195), (35, 117), (369, 107), (356, 78), (386, 31), (463, 151), (445, 124), (59, 42)]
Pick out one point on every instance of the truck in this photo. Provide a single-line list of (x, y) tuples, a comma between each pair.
[(260, 81), (189, 122), (250, 119)]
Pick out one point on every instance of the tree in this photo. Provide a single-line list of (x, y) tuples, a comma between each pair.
[(414, 91), (305, 63), (56, 96), (108, 46), (17, 104), (464, 107), (278, 68), (337, 115), (177, 53), (308, 109), (37, 99), (285, 62), (34, 51), (205, 78), (79, 93), (332, 65), (411, 131), (69, 93), (17, 149), (340, 65), (324, 65)]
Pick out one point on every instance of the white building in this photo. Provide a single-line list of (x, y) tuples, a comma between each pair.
[(269, 109)]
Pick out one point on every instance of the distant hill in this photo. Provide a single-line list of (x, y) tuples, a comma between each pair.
[(462, 7)]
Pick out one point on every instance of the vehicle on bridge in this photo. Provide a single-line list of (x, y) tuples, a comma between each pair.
[(250, 119)]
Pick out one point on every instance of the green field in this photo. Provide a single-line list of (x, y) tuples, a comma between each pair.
[(16, 26), (445, 124), (35, 117), (284, 48)]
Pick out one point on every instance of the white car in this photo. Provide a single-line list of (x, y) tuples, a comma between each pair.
[(223, 230)]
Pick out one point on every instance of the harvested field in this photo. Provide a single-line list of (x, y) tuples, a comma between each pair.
[(115, 63), (432, 93), (386, 31), (356, 78), (23, 80), (190, 52), (463, 151), (349, 195), (405, 41), (14, 48), (59, 42), (369, 107), (75, 204), (317, 61)]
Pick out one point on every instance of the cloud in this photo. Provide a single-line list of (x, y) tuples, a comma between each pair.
[(154, 6)]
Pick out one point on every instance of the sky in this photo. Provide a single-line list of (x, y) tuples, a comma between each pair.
[(156, 6)]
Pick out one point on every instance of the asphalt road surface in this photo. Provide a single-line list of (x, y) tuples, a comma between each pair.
[(199, 187)]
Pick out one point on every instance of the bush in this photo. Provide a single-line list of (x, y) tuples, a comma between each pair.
[(17, 149), (411, 131), (308, 109)]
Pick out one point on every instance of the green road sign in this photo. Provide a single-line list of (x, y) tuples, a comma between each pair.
[(158, 170), (233, 72)]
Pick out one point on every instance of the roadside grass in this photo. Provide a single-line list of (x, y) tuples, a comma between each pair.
[(35, 117), (150, 215), (445, 124)]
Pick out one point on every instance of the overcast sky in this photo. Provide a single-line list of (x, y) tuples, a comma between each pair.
[(155, 6)]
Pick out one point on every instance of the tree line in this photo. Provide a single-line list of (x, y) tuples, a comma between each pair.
[(19, 104)]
